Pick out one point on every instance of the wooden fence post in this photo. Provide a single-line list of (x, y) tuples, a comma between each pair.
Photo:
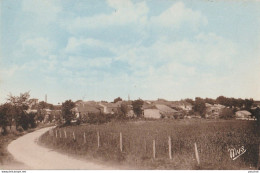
[(60, 134), (121, 142), (145, 147), (170, 147), (196, 153), (74, 137), (56, 134), (84, 136), (65, 134), (98, 140), (154, 151)]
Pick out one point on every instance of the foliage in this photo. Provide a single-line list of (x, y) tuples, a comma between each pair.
[(117, 99), (226, 113), (99, 118), (122, 112), (137, 107), (210, 101), (189, 101), (66, 111), (4, 117), (19, 105), (199, 106)]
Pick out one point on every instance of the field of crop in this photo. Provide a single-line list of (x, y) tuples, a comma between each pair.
[(213, 138)]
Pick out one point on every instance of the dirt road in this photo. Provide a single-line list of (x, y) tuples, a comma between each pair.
[(27, 151)]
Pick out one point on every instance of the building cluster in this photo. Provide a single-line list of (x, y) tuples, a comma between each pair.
[(151, 109)]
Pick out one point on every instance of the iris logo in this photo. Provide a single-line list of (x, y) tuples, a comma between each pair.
[(234, 153)]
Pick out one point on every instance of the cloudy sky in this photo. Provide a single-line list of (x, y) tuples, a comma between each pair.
[(99, 50)]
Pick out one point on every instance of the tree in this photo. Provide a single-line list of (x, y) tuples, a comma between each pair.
[(117, 99), (4, 117), (19, 104), (210, 101), (226, 113), (122, 111), (222, 100), (189, 101), (248, 103), (137, 107), (199, 106), (66, 111)]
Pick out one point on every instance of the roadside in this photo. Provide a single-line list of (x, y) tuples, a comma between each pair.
[(7, 161), (26, 150)]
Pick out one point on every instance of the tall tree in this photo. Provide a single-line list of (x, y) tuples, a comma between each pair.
[(199, 106), (137, 107), (66, 111), (4, 109), (20, 104)]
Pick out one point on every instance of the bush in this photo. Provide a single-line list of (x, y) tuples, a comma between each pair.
[(99, 118), (226, 113)]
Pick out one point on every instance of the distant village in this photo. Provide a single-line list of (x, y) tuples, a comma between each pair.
[(149, 109), (23, 112)]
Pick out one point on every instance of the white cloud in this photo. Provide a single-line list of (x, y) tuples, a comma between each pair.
[(42, 46), (125, 12), (74, 44), (177, 15), (81, 62), (46, 10)]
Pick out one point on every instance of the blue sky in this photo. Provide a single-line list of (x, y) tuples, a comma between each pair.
[(99, 50)]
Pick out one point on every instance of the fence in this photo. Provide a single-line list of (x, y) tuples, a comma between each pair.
[(151, 149)]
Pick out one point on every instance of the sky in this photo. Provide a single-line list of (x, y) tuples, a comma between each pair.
[(100, 50)]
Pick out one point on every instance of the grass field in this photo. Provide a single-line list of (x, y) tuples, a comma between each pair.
[(213, 138)]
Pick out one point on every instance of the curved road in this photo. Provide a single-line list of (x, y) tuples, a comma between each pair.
[(27, 151)]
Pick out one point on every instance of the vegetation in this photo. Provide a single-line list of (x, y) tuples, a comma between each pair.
[(213, 138), (14, 113), (117, 99), (226, 113), (137, 107), (199, 106), (66, 111)]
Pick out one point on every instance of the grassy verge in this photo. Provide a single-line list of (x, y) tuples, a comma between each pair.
[(213, 137)]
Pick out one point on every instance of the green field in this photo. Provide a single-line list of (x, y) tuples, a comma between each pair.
[(213, 138)]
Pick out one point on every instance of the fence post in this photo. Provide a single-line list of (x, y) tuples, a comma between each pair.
[(74, 137), (56, 134), (60, 134), (84, 135), (154, 151), (121, 142), (145, 147), (98, 140), (65, 134), (197, 154), (170, 147)]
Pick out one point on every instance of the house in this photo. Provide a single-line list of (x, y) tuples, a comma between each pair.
[(110, 108), (243, 115), (86, 108), (166, 110), (183, 105), (157, 111), (213, 111), (152, 113)]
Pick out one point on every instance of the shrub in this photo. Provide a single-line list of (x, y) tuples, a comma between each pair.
[(98, 118), (226, 113)]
